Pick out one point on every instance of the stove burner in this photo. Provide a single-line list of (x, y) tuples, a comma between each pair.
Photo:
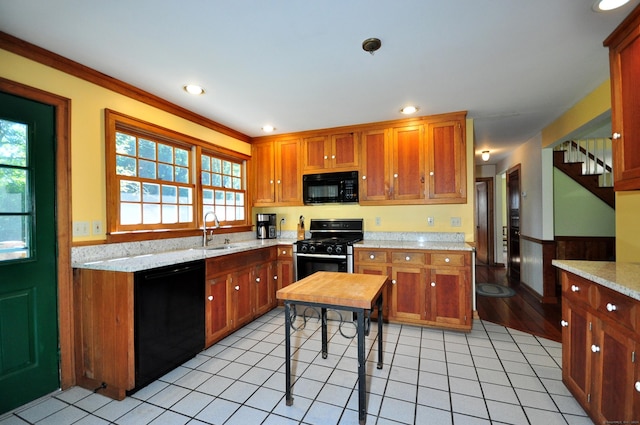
[(331, 237)]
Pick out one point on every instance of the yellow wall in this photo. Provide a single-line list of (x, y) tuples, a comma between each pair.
[(627, 203), (401, 218), (88, 102)]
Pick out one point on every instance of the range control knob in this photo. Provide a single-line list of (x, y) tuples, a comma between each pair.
[(329, 249), (339, 249), (304, 248), (312, 249)]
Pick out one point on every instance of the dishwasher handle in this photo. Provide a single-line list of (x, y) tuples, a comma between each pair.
[(172, 272)]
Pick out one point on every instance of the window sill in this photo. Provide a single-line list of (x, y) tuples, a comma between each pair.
[(146, 235)]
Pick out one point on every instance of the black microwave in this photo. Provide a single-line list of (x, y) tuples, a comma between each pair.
[(330, 188)]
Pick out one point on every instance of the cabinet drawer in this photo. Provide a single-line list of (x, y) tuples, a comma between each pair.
[(576, 288), (448, 259), (617, 308), (408, 257), (368, 256), (285, 251)]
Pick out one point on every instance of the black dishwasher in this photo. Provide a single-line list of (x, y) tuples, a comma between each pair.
[(169, 319)]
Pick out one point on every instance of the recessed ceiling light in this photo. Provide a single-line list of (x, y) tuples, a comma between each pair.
[(409, 109), (605, 5), (193, 89), (268, 128)]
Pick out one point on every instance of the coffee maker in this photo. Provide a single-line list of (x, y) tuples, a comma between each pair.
[(266, 226)]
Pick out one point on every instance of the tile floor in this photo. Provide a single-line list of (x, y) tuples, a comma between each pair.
[(493, 375)]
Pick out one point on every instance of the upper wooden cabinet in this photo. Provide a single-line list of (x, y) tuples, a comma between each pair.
[(330, 152), (277, 172), (446, 153), (407, 179), (624, 60)]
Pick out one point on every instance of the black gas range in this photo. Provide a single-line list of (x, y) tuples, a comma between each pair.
[(330, 247)]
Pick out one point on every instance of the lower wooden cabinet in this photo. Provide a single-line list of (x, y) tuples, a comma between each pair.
[(426, 287), (599, 350)]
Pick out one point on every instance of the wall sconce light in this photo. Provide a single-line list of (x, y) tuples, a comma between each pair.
[(485, 156)]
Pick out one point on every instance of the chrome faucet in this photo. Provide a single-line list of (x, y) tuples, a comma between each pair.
[(205, 239)]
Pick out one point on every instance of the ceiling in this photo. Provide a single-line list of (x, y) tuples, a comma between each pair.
[(514, 65)]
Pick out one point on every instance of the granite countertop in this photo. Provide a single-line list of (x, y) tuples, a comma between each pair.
[(620, 277), (431, 245)]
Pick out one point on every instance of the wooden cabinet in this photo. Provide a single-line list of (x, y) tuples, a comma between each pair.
[(600, 339), (335, 152), (375, 168), (277, 172), (264, 278), (285, 276), (446, 153), (218, 322), (427, 287), (407, 152), (624, 60)]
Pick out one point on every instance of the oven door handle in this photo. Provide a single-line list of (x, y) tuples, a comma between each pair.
[(337, 257)]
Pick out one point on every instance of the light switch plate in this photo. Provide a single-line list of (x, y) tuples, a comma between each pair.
[(80, 228), (456, 222)]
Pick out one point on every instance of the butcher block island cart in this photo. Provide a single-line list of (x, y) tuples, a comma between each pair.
[(357, 293)]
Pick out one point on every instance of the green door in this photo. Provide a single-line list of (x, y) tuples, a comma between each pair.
[(28, 284)]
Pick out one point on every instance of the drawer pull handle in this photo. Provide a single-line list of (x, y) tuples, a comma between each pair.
[(637, 386), (611, 307), (433, 284), (210, 297), (237, 287), (595, 348), (564, 323), (372, 257), (393, 281), (575, 288), (284, 252), (446, 260), (407, 258)]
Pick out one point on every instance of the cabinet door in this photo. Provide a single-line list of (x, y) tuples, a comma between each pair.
[(315, 153), (612, 354), (407, 293), (379, 270), (263, 289), (447, 300), (217, 309), (576, 342), (624, 58), (264, 170), (407, 181), (241, 287), (289, 180), (446, 161), (374, 178), (344, 151)]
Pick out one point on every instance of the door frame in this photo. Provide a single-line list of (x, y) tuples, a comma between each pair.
[(62, 119), (490, 219), (515, 170)]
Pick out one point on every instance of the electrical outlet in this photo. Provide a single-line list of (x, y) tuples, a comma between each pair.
[(80, 228), (430, 221), (456, 222), (283, 220), (96, 227), (378, 221)]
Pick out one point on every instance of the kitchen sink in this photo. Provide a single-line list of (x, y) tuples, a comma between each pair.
[(218, 247)]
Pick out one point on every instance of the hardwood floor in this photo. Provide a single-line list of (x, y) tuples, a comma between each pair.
[(522, 311)]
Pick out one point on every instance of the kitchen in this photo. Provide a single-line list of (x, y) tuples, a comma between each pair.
[(88, 156)]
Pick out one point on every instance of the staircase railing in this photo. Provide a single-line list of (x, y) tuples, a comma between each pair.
[(595, 155)]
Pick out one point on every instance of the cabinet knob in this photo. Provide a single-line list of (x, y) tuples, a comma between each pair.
[(372, 257), (637, 386), (564, 323), (333, 157), (275, 277), (278, 181), (446, 260), (393, 281), (433, 284), (270, 181), (395, 176), (237, 287), (407, 258), (595, 348), (575, 288), (616, 136), (611, 307), (364, 177), (257, 280), (210, 297), (284, 252), (431, 173)]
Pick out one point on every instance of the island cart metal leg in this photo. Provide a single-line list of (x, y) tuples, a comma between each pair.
[(362, 370), (287, 353), (379, 303), (324, 332)]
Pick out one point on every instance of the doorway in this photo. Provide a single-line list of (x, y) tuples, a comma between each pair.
[(39, 357), (485, 221), (513, 222)]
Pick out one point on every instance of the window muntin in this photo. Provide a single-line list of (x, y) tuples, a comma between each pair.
[(16, 212), (154, 182), (223, 189)]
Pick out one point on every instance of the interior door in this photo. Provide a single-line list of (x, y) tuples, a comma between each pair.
[(513, 222), (28, 285)]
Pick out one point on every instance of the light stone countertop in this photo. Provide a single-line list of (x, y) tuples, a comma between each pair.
[(620, 277), (430, 245)]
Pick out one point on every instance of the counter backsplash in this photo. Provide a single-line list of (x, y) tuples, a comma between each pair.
[(83, 254)]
